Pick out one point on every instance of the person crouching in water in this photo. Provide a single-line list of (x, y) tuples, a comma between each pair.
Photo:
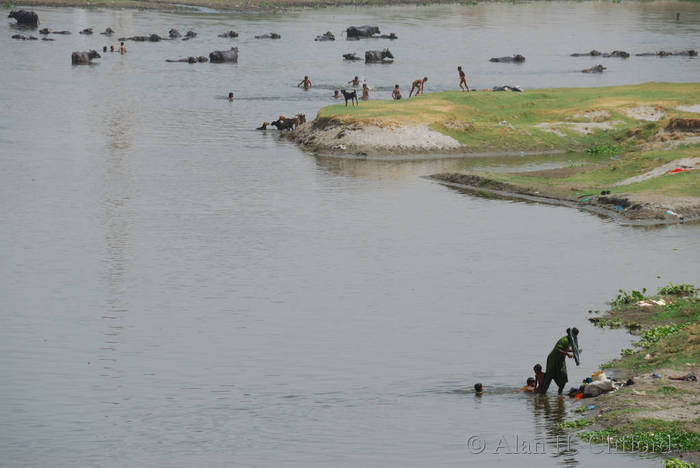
[(530, 387), (396, 93), (478, 389), (230, 97), (556, 363), (336, 94)]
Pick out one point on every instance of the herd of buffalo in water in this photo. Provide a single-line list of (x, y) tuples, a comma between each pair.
[(30, 20)]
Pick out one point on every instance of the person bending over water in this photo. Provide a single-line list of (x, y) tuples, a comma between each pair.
[(355, 82), (418, 85), (556, 363), (462, 80), (306, 83), (396, 93)]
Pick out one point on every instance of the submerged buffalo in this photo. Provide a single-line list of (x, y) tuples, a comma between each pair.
[(221, 56), (174, 34), (597, 53), (356, 32), (25, 17), (229, 34), (328, 36), (378, 56), (593, 53), (83, 58), (150, 38), (107, 32), (595, 69), (352, 57), (22, 37), (517, 58), (87, 31), (189, 35), (663, 53), (200, 59), (269, 36)]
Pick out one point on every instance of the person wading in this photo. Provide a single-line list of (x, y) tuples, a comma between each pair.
[(556, 363)]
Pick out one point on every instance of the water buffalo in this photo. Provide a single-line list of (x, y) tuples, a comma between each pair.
[(595, 69), (663, 53), (189, 35), (221, 56), (617, 53), (107, 32), (229, 34), (200, 59), (174, 34), (328, 36), (269, 36), (22, 37), (87, 31), (593, 53), (356, 32), (83, 58), (517, 58), (353, 56), (150, 38), (44, 31), (25, 17), (378, 56), (60, 32)]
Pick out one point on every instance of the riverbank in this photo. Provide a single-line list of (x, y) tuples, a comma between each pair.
[(661, 402), (645, 139)]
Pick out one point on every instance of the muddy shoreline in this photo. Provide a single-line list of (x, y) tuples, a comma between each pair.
[(637, 212)]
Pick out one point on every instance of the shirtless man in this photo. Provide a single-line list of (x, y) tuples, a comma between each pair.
[(355, 82), (396, 93), (122, 48), (365, 92), (418, 85), (306, 83), (462, 80)]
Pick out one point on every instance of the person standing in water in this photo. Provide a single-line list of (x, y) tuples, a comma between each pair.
[(365, 92), (556, 363), (306, 83), (418, 85), (396, 93), (462, 80), (355, 82), (122, 48), (230, 97)]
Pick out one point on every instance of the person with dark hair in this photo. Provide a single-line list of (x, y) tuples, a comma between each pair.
[(111, 48), (556, 363), (418, 85), (396, 93), (122, 48), (104, 49), (478, 388), (530, 387), (230, 97), (539, 376), (305, 83), (462, 80)]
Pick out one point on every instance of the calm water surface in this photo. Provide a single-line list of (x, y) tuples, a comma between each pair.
[(181, 290)]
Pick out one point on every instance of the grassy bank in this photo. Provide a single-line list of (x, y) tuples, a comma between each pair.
[(538, 120), (655, 410)]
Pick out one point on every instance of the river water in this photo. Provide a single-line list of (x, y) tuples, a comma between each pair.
[(181, 290)]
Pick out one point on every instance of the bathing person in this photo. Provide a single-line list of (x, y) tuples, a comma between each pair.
[(556, 363), (355, 82), (478, 388), (365, 92), (418, 85), (122, 48), (396, 93), (111, 48), (678, 16), (104, 49), (306, 83), (336, 94), (530, 387), (539, 375), (462, 80), (230, 97)]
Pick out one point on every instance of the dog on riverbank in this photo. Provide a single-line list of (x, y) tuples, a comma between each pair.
[(350, 96)]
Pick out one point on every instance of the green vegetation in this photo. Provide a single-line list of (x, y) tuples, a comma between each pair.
[(677, 290), (678, 463), (631, 297), (657, 435), (544, 119), (575, 424)]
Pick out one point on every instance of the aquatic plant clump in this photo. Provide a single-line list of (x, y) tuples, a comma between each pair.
[(678, 290)]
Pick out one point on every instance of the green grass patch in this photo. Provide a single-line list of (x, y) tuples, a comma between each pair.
[(653, 435), (678, 463)]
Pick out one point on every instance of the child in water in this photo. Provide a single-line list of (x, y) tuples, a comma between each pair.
[(530, 387), (336, 94), (478, 389), (539, 376), (230, 97)]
